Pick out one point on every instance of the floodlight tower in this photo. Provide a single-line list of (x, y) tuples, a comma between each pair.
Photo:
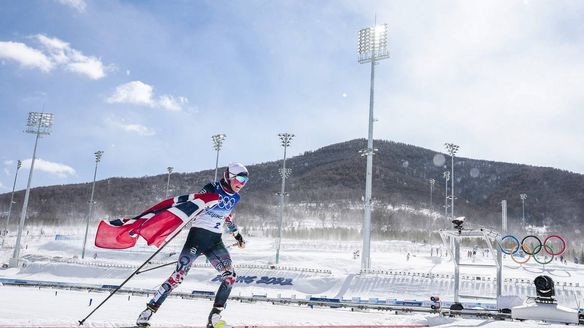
[(372, 48), (452, 149), (40, 124), (446, 176), (169, 169), (217, 144), (5, 232), (432, 182), (98, 155), (523, 198), (286, 138)]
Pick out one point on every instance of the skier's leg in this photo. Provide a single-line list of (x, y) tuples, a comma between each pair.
[(221, 261), (185, 260)]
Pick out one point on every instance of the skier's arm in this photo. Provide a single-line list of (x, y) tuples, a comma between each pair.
[(208, 188), (232, 228), (168, 203)]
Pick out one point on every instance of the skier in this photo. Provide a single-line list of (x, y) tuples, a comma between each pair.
[(205, 238)]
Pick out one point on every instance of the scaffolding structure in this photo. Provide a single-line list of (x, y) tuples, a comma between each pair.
[(451, 239)]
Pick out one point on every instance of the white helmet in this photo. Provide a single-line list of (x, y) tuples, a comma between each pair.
[(234, 170)]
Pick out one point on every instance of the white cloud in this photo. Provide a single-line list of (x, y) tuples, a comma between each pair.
[(58, 169), (8, 162), (25, 56), (53, 53), (135, 92), (79, 5), (171, 103), (137, 128), (140, 93), (131, 127), (72, 60), (92, 67)]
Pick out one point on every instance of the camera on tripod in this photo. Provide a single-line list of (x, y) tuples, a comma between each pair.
[(458, 222)]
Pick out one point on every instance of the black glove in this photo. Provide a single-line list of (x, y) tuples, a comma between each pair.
[(240, 241)]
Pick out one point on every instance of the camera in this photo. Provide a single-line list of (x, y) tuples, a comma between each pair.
[(458, 222), (544, 287)]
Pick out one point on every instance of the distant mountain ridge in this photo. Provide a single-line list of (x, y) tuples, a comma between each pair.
[(335, 174)]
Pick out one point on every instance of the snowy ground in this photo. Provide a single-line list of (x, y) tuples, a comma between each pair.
[(396, 278)]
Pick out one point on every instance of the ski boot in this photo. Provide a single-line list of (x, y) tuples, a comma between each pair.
[(436, 304), (144, 317), (215, 319)]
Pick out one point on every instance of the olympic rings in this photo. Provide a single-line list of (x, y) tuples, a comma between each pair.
[(536, 251), (525, 251), (505, 250), (563, 245), (530, 236), (532, 248)]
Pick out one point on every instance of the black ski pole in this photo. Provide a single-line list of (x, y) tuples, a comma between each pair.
[(156, 267), (134, 273)]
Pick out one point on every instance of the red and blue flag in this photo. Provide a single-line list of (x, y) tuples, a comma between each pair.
[(154, 224)]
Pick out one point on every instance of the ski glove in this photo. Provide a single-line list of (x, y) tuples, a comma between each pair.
[(240, 241)]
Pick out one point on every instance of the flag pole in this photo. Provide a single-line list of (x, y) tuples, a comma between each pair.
[(135, 272)]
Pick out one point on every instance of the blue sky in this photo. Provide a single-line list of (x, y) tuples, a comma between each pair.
[(149, 82)]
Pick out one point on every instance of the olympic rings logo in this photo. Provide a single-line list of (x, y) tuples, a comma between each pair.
[(226, 203), (531, 246)]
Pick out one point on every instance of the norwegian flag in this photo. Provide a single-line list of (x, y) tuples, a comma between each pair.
[(154, 224)]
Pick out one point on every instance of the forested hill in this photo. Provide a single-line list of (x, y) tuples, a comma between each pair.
[(334, 177)]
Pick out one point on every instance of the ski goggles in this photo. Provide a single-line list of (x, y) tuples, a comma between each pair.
[(241, 179)]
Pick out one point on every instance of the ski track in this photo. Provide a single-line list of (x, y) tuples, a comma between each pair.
[(396, 278)]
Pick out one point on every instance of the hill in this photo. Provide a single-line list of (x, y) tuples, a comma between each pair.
[(327, 186)]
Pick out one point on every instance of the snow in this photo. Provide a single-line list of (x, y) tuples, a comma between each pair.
[(317, 268)]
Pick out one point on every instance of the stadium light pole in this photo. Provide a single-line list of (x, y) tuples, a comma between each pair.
[(432, 182), (523, 198), (217, 144), (446, 176), (452, 149), (40, 124), (286, 138), (5, 234), (98, 155), (371, 49), (169, 169)]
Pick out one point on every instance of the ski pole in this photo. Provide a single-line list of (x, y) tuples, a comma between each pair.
[(134, 273), (232, 245), (171, 263), (156, 267)]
